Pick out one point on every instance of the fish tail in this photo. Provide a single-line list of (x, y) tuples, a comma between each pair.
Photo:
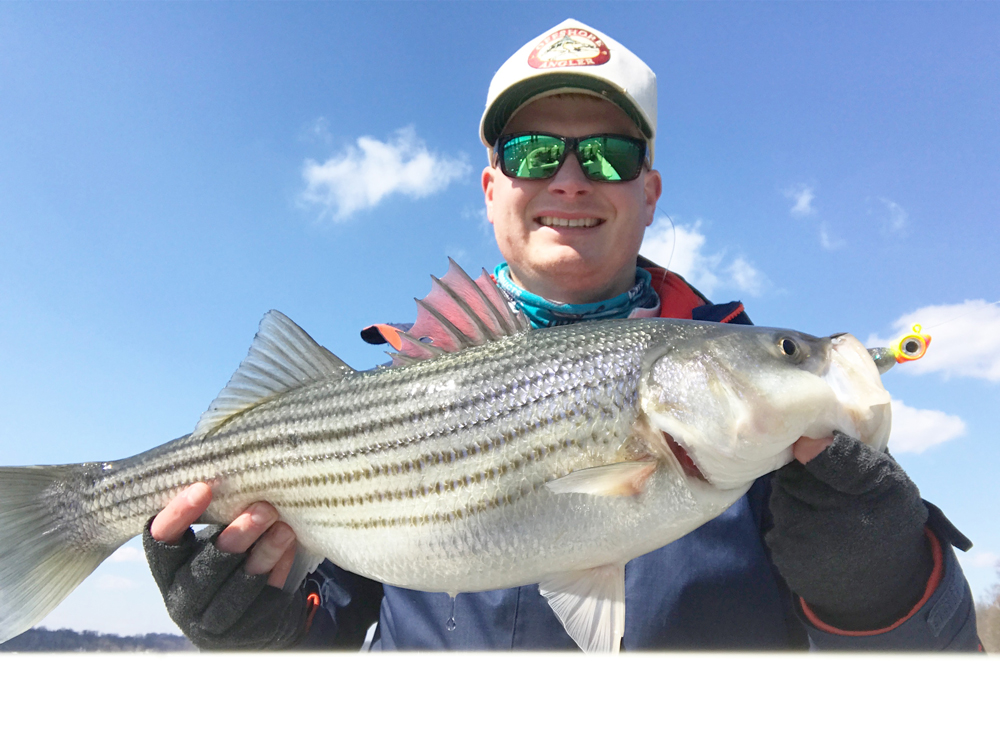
[(39, 562)]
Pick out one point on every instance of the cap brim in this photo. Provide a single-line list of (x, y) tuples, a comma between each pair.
[(513, 98)]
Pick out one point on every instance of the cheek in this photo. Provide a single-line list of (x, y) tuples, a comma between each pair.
[(632, 213), (511, 206)]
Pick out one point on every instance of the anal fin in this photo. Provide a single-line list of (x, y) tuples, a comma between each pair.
[(591, 606)]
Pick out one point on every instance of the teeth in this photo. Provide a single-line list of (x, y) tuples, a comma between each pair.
[(552, 221)]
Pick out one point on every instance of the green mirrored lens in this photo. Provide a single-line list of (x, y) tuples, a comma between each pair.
[(604, 158), (532, 157), (610, 159)]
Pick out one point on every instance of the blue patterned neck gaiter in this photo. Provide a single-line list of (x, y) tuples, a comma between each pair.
[(544, 314)]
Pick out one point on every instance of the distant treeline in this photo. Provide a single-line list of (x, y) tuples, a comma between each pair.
[(988, 620), (42, 639)]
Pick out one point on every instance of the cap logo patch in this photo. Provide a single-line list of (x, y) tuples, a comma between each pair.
[(569, 48)]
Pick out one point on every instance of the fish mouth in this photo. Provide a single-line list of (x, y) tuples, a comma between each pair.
[(683, 458), (862, 399)]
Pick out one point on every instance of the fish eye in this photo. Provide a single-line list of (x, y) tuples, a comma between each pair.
[(791, 349)]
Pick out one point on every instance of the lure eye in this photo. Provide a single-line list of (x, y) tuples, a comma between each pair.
[(912, 347)]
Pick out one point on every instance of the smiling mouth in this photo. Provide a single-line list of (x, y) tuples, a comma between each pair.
[(553, 221)]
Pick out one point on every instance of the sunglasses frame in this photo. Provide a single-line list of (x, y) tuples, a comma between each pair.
[(570, 145)]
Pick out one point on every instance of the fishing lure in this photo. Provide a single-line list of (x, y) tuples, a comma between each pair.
[(910, 347)]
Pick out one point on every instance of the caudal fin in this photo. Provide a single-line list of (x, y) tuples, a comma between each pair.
[(39, 566)]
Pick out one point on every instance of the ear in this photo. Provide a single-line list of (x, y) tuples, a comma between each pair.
[(489, 180), (653, 188)]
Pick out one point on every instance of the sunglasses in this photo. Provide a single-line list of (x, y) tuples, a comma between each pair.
[(603, 158)]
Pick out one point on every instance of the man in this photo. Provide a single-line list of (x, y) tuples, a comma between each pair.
[(836, 550)]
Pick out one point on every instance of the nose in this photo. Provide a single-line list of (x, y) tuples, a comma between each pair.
[(570, 180)]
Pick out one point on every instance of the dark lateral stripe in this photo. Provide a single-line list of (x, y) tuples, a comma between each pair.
[(224, 453), (502, 371), (347, 400), (486, 446), (415, 466), (443, 486), (381, 403), (440, 517)]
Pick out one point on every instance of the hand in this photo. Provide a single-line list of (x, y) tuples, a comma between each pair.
[(273, 541), (223, 586), (848, 533), (806, 449)]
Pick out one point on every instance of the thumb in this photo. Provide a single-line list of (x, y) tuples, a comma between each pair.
[(170, 523), (806, 449)]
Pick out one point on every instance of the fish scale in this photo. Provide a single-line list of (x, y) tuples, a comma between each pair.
[(500, 435), (551, 456)]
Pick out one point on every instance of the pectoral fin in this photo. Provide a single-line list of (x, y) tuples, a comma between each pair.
[(625, 479), (591, 606)]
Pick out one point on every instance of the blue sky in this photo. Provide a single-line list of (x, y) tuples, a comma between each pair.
[(171, 171)]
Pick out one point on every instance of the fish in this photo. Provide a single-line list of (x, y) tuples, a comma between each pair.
[(488, 455)]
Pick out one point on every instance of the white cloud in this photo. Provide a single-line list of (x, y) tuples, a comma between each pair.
[(965, 339), (678, 247), (896, 220), (916, 430), (127, 554), (746, 277), (115, 583), (681, 250), (827, 240), (363, 175), (802, 197)]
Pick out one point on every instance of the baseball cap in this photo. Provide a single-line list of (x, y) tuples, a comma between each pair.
[(572, 57)]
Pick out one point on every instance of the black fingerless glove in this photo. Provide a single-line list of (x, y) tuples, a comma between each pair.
[(848, 535), (214, 602)]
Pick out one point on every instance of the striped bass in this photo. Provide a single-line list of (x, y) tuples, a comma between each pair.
[(490, 457)]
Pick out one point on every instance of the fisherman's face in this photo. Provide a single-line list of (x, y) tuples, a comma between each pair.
[(571, 264)]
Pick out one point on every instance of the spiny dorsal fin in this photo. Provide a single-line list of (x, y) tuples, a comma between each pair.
[(417, 349), (282, 357), (459, 313)]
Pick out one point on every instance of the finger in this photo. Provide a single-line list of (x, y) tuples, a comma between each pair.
[(806, 449), (282, 568), (171, 522), (247, 528), (854, 468), (269, 549)]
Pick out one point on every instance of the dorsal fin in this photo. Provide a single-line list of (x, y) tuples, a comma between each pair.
[(457, 314), (415, 348), (282, 357)]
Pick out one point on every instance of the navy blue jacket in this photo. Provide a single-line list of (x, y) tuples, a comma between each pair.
[(714, 588)]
